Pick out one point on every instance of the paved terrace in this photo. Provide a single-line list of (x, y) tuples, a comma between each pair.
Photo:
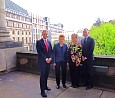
[(25, 85)]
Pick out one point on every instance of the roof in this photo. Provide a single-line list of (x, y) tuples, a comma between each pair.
[(14, 7)]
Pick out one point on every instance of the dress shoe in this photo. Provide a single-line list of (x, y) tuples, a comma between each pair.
[(48, 89), (57, 86), (75, 86), (89, 87), (43, 94), (64, 86)]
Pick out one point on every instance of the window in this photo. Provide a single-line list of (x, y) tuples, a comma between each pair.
[(29, 39), (14, 38), (9, 23), (6, 23), (22, 33), (20, 25), (26, 33), (28, 26), (24, 25), (11, 15), (15, 24), (18, 33), (22, 39), (7, 14), (13, 32), (26, 40), (18, 39), (22, 18)]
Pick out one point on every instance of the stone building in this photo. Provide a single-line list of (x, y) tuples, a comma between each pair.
[(24, 26), (56, 30), (19, 24)]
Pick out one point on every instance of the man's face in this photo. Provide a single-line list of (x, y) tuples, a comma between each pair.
[(85, 33), (45, 34)]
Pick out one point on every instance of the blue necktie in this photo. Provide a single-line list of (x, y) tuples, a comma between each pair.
[(85, 40)]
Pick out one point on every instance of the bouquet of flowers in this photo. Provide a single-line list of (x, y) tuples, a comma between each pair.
[(76, 53)]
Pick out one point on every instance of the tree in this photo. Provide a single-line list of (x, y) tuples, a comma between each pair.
[(104, 36)]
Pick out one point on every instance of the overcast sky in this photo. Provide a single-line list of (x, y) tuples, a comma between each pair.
[(74, 14)]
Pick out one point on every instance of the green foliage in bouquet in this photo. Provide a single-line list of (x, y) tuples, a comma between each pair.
[(104, 36)]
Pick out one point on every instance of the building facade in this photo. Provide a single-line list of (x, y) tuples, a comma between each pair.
[(47, 21), (56, 30), (19, 24), (27, 27), (39, 24)]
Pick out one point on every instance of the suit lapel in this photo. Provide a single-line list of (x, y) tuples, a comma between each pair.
[(44, 45)]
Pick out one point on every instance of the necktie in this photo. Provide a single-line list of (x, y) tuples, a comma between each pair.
[(46, 44), (85, 40)]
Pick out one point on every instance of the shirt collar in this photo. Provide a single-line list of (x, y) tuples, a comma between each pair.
[(87, 37), (45, 39)]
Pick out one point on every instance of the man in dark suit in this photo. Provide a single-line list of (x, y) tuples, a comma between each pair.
[(44, 50), (87, 58)]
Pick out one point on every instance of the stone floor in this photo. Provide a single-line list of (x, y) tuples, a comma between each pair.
[(24, 85)]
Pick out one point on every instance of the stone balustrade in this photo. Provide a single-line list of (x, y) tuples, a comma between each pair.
[(104, 68)]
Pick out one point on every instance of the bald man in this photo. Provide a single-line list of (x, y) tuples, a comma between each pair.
[(44, 50), (87, 58)]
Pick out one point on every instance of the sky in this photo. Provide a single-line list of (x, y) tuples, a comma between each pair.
[(74, 14)]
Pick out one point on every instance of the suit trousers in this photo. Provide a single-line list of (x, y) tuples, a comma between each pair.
[(74, 73), (44, 73), (60, 68), (87, 72)]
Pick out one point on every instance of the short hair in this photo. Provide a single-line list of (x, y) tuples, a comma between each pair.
[(74, 35), (61, 36), (85, 29), (44, 31)]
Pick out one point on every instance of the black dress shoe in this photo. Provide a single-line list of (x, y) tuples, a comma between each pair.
[(57, 86), (89, 87), (43, 94), (48, 89), (64, 86), (74, 86)]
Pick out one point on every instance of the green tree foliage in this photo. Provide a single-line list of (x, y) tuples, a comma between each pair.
[(104, 36)]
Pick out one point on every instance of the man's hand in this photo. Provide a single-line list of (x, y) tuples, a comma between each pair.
[(48, 60)]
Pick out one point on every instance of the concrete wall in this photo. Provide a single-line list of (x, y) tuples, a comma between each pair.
[(8, 58)]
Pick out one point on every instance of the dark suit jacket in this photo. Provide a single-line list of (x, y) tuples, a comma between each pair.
[(58, 54), (42, 52), (88, 48)]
